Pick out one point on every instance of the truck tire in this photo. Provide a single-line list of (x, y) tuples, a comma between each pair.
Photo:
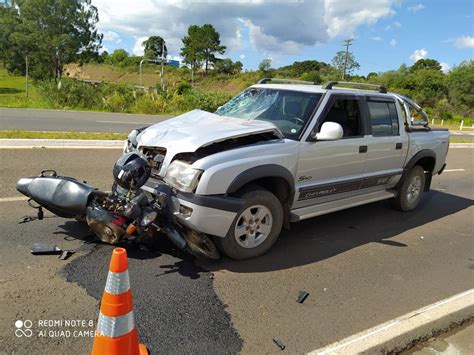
[(256, 226), (410, 193)]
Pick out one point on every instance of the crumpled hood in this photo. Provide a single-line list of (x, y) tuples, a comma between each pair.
[(195, 129), (198, 128)]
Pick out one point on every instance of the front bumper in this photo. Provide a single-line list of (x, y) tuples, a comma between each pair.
[(209, 214)]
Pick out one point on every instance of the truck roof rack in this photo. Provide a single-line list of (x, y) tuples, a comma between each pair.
[(382, 89), (283, 80)]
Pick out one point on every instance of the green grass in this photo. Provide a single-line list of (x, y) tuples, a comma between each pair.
[(14, 134), (461, 140), (13, 92)]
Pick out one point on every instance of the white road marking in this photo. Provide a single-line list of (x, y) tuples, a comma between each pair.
[(373, 339), (13, 199), (128, 122), (453, 170), (60, 147)]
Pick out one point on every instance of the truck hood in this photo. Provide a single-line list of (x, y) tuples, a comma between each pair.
[(197, 128)]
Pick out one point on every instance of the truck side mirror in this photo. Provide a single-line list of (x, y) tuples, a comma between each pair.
[(330, 131)]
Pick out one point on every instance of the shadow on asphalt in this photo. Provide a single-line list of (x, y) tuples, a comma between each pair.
[(323, 237), (154, 248), (307, 242)]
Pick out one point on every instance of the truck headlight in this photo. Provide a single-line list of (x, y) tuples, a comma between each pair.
[(182, 176), (131, 142)]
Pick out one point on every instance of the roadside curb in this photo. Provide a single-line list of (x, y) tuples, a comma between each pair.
[(461, 145), (397, 334), (60, 143)]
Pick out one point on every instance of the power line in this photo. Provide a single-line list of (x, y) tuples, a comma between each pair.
[(347, 43)]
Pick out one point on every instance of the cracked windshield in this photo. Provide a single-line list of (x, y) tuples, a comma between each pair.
[(287, 110)]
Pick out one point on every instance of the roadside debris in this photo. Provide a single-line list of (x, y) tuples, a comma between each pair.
[(26, 219), (66, 254), (46, 249), (279, 344), (302, 295)]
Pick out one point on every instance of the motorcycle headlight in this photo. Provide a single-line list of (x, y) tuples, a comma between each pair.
[(182, 176)]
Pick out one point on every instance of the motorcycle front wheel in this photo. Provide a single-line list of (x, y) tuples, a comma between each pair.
[(201, 246)]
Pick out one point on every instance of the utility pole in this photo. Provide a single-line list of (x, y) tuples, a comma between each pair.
[(26, 60), (162, 63), (347, 44)]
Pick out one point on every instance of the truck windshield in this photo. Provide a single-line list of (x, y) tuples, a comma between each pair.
[(288, 110)]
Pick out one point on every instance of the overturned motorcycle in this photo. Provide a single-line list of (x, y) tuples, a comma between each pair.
[(128, 212)]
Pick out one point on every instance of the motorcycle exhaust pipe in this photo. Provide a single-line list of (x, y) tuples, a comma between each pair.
[(175, 235)]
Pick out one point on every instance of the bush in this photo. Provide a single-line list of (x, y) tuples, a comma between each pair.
[(183, 87), (150, 104), (69, 93)]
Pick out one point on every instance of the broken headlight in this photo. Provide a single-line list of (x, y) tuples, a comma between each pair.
[(182, 176), (131, 142)]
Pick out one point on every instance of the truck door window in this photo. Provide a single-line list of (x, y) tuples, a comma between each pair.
[(346, 112), (383, 118)]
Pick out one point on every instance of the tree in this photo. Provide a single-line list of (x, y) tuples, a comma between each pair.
[(339, 61), (52, 33), (224, 66), (461, 84), (265, 65), (425, 64), (117, 57), (201, 45), (237, 67), (154, 46)]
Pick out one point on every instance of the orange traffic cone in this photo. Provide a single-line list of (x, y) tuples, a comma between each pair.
[(116, 330)]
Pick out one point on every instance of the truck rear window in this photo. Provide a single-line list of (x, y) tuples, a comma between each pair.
[(383, 118)]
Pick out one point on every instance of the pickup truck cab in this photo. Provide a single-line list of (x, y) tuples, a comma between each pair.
[(281, 153)]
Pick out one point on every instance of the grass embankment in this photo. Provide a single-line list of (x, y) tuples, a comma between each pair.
[(13, 134)]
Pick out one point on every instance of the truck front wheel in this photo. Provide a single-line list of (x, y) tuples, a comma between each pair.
[(409, 194), (256, 226)]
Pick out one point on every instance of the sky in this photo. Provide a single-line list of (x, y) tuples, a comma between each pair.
[(386, 33)]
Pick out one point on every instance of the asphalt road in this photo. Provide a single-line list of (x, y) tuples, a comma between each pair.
[(73, 121), (361, 267), (81, 121)]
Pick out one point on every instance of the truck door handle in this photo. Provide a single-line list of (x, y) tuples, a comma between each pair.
[(363, 149), (399, 146)]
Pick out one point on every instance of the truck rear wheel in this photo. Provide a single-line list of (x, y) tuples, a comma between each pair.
[(410, 193), (256, 226)]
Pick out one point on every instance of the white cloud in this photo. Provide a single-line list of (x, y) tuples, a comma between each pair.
[(393, 43), (464, 42), (111, 36), (376, 38), (138, 47), (416, 8), (445, 67), (299, 23), (394, 24), (419, 54), (242, 56)]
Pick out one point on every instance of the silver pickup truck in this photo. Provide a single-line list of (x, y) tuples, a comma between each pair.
[(275, 154), (281, 153)]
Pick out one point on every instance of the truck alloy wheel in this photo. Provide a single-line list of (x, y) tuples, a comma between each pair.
[(256, 226), (253, 226)]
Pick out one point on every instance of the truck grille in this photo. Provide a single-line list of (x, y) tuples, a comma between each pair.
[(155, 157)]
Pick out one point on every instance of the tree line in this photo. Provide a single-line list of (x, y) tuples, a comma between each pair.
[(53, 33)]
